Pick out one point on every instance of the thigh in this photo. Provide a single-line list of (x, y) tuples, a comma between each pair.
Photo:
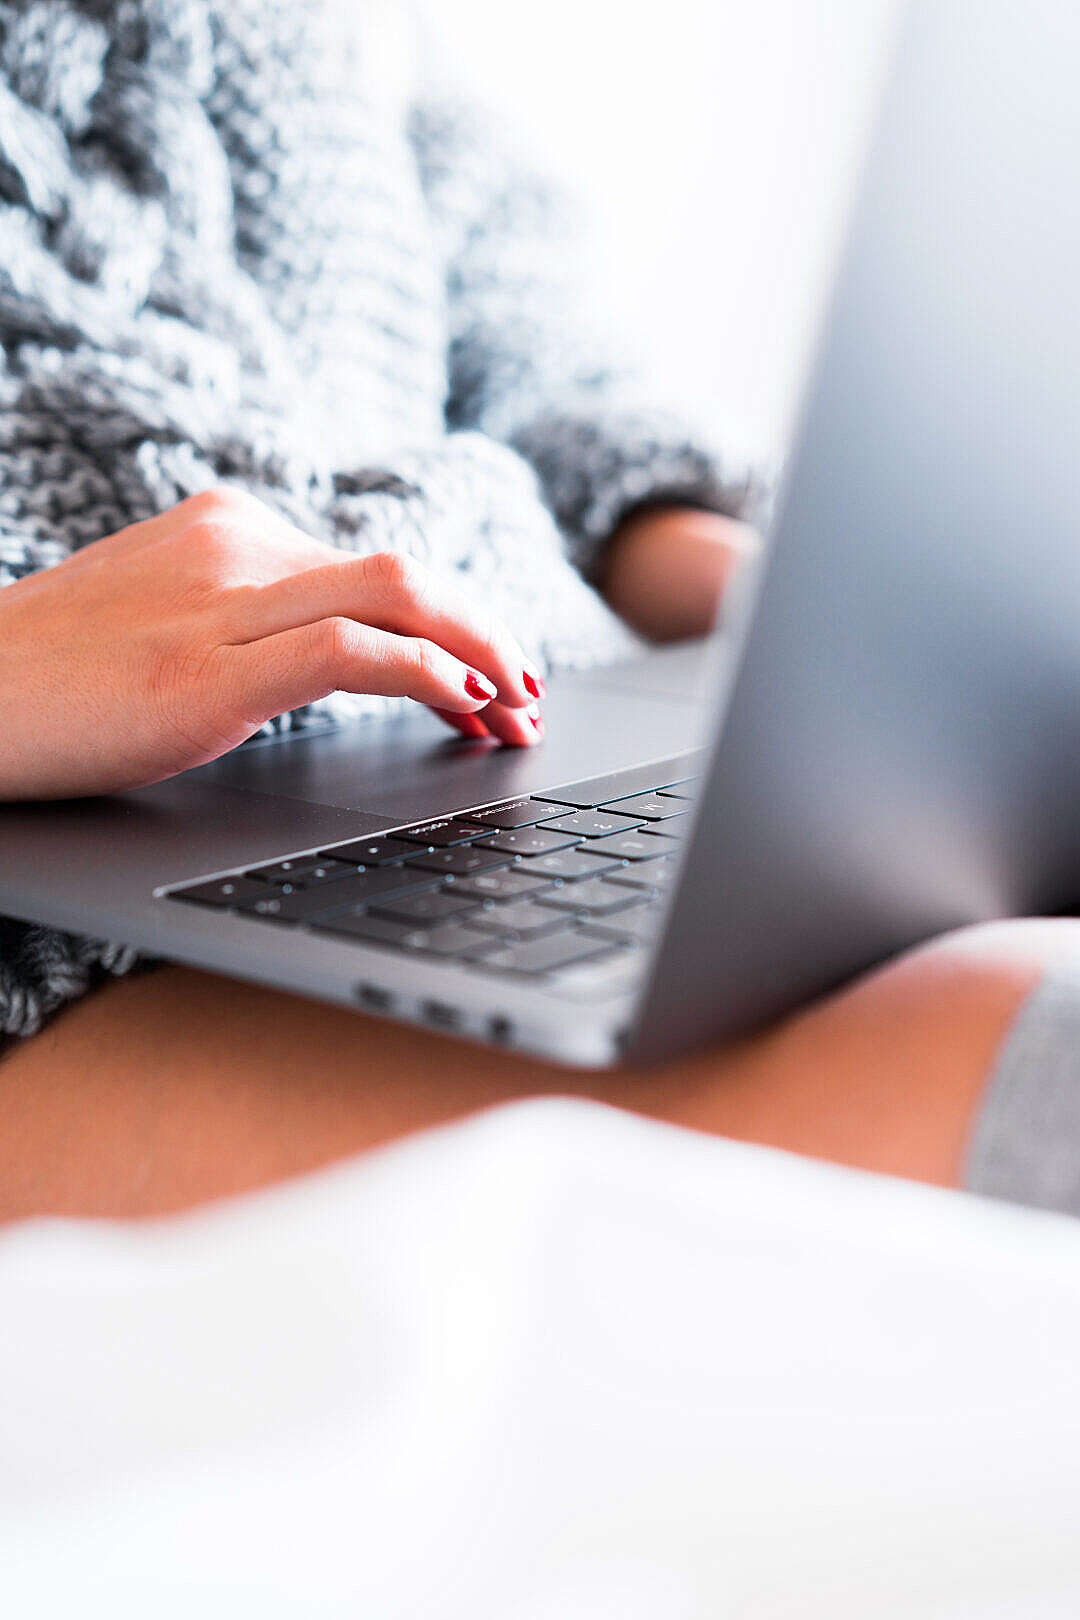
[(175, 1087)]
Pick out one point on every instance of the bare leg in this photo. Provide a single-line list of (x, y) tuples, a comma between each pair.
[(178, 1087)]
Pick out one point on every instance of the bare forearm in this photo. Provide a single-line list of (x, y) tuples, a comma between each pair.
[(666, 570)]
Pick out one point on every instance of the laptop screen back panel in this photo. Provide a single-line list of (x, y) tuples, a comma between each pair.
[(901, 750)]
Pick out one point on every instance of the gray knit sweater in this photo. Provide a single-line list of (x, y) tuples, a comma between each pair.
[(238, 242)]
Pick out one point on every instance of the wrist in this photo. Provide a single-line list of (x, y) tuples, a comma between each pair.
[(665, 569)]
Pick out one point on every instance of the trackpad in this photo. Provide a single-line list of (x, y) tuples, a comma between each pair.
[(414, 767)]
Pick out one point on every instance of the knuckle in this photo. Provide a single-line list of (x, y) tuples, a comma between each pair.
[(397, 575), (219, 501), (427, 660), (333, 642), (210, 564), (223, 533), (493, 635), (207, 539)]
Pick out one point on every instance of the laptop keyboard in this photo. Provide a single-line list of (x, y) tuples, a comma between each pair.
[(535, 886)]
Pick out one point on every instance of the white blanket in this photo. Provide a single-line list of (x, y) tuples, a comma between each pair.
[(552, 1364)]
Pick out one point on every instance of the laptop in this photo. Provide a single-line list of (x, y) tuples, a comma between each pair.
[(882, 745)]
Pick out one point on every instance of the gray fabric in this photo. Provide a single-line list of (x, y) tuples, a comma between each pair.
[(1025, 1144), (41, 969), (239, 243)]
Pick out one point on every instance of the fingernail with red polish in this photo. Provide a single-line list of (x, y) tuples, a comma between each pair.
[(477, 687), (534, 715), (533, 684)]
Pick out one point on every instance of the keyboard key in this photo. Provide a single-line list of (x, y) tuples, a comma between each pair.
[(224, 892), (521, 918), (461, 862), (457, 940), (650, 807), (598, 977), (303, 873), (511, 883), (593, 823), (327, 871), (636, 846), (446, 939), (439, 834), (571, 865), (287, 871), (635, 927), (546, 955), (371, 851), (645, 874), (620, 784), (671, 793), (529, 841), (358, 924), (433, 906), (597, 897), (344, 892), (515, 813)]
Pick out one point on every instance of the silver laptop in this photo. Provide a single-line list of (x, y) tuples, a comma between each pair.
[(884, 744)]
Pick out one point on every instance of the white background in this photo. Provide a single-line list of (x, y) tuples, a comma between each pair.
[(718, 140)]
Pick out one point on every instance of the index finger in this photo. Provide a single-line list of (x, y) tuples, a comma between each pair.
[(393, 592)]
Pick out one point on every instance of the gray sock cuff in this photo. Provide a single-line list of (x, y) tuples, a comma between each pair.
[(1025, 1143)]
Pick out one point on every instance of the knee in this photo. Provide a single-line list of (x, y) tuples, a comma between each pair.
[(945, 1005), (887, 1073), (1012, 954)]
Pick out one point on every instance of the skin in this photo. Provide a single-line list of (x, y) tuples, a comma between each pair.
[(666, 570), (164, 645), (167, 1090), (170, 642)]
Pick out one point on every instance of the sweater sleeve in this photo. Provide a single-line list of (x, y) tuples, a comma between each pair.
[(527, 365), (41, 969)]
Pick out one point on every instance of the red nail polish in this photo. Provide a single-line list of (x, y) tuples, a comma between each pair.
[(538, 723), (477, 687), (533, 684)]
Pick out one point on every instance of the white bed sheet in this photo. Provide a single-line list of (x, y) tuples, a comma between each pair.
[(552, 1364)]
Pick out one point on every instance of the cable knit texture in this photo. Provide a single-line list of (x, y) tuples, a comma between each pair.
[(238, 243)]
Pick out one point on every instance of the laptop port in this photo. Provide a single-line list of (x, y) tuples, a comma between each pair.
[(374, 997), (440, 1015), (501, 1029)]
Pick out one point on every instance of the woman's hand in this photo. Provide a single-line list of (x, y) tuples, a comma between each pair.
[(165, 645), (667, 567)]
